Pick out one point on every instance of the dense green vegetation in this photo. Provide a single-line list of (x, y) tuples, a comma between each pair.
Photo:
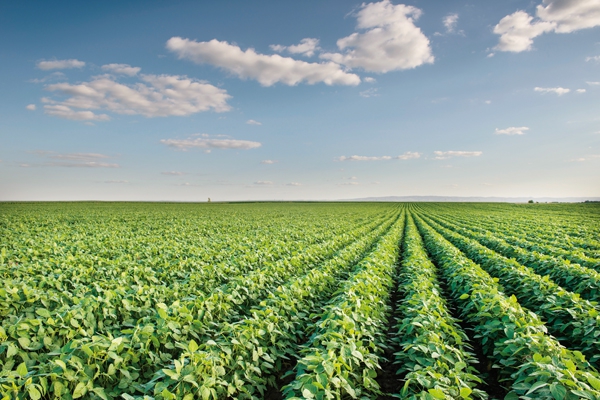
[(299, 300)]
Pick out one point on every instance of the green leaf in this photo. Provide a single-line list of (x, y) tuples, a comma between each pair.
[(437, 393), (464, 296), (193, 346), (34, 394), (595, 382), (559, 392), (465, 392), (80, 390), (22, 370), (536, 386)]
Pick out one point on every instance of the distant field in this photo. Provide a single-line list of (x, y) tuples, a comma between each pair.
[(299, 300)]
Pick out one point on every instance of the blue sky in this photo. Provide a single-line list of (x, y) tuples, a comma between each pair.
[(268, 100)]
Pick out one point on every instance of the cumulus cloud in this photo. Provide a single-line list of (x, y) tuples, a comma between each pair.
[(209, 144), (363, 158), (443, 155), (306, 47), (369, 79), (263, 183), (266, 69), (450, 22), (409, 155), (60, 64), (390, 40), (593, 83), (269, 161), (513, 130), (157, 96), (31, 107), (558, 90), (581, 90), (518, 30), (122, 69), (253, 122)]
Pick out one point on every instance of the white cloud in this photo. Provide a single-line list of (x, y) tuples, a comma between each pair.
[(593, 83), (122, 69), (513, 130), (31, 107), (390, 42), (581, 90), (114, 181), (63, 111), (370, 79), (266, 69), (372, 92), (488, 102), (306, 47), (208, 144), (558, 90), (348, 184), (594, 58), (518, 30), (55, 76), (76, 160), (263, 183), (159, 96), (173, 173), (363, 158), (269, 161), (293, 184), (442, 155), (587, 158), (253, 122), (409, 155), (450, 22), (60, 64)]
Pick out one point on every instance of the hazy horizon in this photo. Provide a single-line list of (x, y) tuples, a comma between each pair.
[(155, 101)]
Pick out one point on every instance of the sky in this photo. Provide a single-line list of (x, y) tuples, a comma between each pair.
[(289, 100)]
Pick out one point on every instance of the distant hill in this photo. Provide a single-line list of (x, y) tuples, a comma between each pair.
[(478, 199)]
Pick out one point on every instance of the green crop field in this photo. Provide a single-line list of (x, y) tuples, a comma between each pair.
[(299, 300)]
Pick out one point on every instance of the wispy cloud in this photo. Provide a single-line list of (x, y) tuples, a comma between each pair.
[(587, 158), (55, 76), (66, 112), (116, 181), (558, 90), (593, 83), (406, 156), (31, 107), (173, 173), (263, 183), (363, 158), (293, 184), (75, 160), (581, 90), (253, 122), (209, 144), (269, 161), (60, 64), (450, 22), (121, 69), (372, 92), (594, 58), (443, 155), (409, 155), (513, 130)]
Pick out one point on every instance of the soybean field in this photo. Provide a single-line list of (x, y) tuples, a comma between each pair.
[(299, 301)]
